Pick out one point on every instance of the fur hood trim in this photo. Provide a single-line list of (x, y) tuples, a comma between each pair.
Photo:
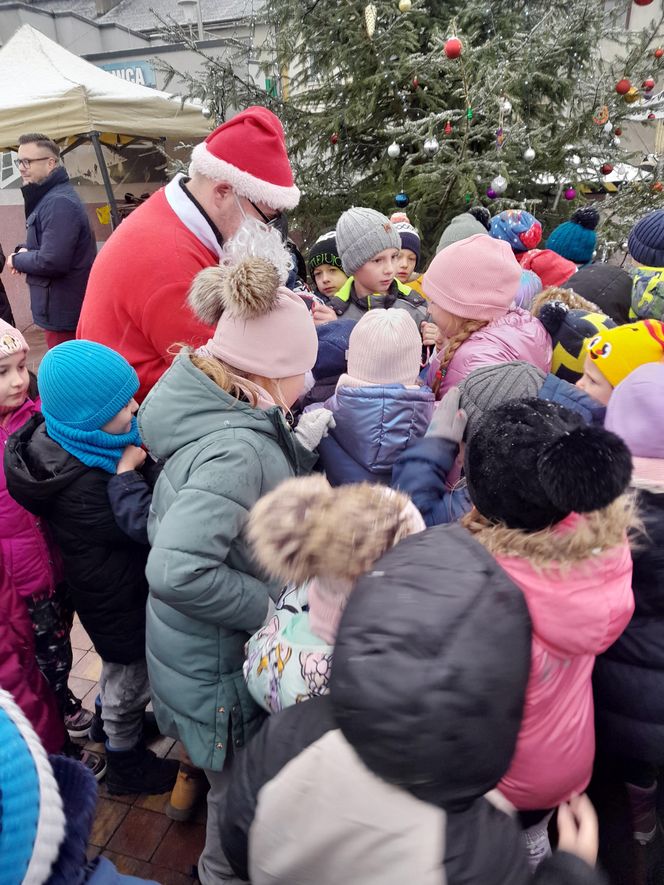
[(592, 534), (305, 528)]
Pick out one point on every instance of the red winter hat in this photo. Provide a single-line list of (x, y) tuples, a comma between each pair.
[(249, 153), (551, 268)]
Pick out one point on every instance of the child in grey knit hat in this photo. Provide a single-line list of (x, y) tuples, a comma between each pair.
[(369, 244)]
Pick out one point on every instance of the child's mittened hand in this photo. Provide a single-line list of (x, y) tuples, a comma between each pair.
[(313, 426), (449, 421), (132, 458), (578, 830)]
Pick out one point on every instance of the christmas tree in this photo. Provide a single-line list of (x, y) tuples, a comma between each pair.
[(441, 104)]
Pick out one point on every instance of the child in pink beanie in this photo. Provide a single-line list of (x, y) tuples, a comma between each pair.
[(218, 418), (471, 287)]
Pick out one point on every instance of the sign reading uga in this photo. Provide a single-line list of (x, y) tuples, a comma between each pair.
[(140, 72)]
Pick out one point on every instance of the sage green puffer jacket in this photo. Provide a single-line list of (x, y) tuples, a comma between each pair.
[(206, 594)]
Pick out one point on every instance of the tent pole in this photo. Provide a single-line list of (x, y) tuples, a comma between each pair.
[(115, 216)]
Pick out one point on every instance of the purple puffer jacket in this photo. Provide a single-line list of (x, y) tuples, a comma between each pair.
[(29, 566), (27, 555), (515, 336)]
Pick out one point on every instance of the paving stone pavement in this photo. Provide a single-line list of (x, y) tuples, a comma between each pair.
[(133, 831)]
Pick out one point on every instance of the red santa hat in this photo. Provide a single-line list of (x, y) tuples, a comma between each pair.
[(249, 153)]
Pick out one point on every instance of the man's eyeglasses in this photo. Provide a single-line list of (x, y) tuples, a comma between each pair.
[(28, 163), (265, 218)]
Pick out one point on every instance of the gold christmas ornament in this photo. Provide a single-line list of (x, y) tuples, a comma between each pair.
[(405, 5), (370, 13), (632, 95)]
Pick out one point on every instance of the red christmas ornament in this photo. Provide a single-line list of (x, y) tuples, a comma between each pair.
[(453, 47), (652, 116), (617, 131), (658, 187), (448, 128), (648, 84), (334, 138), (606, 169), (659, 53), (642, 2), (416, 82), (623, 86)]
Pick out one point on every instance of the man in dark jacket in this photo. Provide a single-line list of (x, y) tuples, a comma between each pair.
[(385, 780), (60, 246)]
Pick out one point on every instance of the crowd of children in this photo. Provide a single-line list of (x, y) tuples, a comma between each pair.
[(402, 666)]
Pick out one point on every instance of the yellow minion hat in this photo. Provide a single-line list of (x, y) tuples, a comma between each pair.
[(569, 353), (617, 352)]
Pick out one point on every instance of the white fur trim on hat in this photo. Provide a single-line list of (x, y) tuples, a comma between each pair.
[(245, 185), (50, 831)]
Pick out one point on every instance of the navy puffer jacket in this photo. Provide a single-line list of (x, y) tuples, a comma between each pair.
[(629, 676)]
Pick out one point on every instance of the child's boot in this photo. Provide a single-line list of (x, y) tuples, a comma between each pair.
[(78, 720), (139, 770), (190, 788), (643, 811)]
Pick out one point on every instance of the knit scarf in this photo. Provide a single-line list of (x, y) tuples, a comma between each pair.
[(95, 448)]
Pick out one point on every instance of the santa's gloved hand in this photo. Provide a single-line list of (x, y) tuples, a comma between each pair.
[(313, 426), (449, 421)]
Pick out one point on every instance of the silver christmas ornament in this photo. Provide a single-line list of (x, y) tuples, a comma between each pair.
[(431, 146), (529, 155), (499, 184), (608, 127), (616, 141), (206, 112), (393, 150), (506, 106)]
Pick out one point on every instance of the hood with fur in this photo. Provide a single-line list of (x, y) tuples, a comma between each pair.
[(574, 575)]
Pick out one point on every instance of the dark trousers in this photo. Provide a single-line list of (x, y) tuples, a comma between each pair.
[(52, 621)]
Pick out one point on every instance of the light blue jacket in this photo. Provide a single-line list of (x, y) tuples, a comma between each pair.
[(374, 425)]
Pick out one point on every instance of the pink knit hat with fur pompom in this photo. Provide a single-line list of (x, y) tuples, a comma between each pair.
[(262, 327), (476, 278), (11, 340)]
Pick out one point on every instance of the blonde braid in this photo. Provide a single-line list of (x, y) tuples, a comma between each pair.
[(468, 328)]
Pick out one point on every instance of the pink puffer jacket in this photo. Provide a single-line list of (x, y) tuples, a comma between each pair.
[(29, 566), (515, 336), (577, 613), (27, 555)]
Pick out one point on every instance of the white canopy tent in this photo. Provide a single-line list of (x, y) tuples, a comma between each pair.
[(45, 88)]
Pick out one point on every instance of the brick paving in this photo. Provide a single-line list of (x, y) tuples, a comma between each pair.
[(133, 831)]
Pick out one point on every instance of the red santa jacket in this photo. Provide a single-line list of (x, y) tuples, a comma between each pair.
[(135, 301)]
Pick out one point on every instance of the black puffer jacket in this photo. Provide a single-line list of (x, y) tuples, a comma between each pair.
[(104, 568), (629, 677), (382, 781)]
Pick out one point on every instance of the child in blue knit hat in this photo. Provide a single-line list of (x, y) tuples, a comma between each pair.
[(576, 239), (646, 248), (77, 466), (47, 809)]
